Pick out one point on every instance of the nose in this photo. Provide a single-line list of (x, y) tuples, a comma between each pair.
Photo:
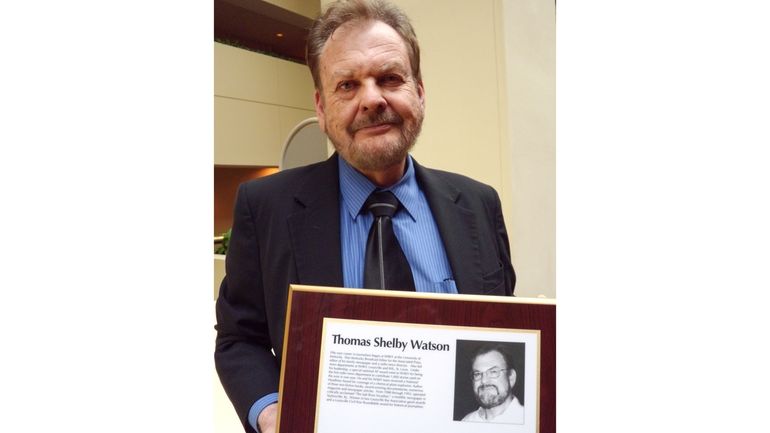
[(372, 99)]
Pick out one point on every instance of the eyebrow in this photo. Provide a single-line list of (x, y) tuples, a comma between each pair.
[(392, 67), (385, 67), (342, 73)]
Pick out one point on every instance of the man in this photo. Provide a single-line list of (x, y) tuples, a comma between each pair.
[(493, 380), (309, 225)]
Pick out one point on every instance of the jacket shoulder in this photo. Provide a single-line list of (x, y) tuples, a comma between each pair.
[(287, 182), (458, 181)]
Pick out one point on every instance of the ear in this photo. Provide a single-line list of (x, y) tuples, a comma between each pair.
[(511, 377), (319, 110), (421, 93)]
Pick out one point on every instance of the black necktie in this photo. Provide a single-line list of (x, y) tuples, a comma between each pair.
[(385, 265)]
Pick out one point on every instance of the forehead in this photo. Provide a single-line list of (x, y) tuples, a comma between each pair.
[(361, 45), (489, 360)]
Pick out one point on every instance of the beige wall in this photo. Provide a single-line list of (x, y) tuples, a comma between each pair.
[(529, 50), (258, 99), (489, 74)]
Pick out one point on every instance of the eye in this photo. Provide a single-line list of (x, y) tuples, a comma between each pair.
[(391, 80), (345, 86), (395, 78)]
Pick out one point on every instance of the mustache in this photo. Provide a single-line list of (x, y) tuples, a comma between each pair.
[(483, 387), (375, 119)]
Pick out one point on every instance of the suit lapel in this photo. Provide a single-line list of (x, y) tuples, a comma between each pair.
[(315, 227), (458, 227)]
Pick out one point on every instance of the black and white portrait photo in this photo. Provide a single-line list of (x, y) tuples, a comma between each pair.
[(489, 382)]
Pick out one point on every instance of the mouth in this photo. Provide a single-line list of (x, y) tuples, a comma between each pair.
[(378, 128), (380, 123), (489, 388)]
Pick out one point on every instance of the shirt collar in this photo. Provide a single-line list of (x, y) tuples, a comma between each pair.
[(356, 188)]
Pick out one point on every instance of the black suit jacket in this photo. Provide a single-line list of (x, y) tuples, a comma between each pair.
[(286, 229)]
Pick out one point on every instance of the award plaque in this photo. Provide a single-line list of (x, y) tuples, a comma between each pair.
[(385, 361)]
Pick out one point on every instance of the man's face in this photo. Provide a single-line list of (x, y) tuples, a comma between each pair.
[(491, 392), (369, 103)]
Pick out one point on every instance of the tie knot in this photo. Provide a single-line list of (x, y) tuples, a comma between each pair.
[(382, 203)]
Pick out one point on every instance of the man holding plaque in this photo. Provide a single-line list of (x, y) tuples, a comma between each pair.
[(370, 216)]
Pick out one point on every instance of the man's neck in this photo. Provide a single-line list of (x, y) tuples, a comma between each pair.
[(388, 176)]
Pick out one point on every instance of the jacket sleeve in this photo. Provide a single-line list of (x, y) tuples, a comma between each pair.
[(504, 248), (244, 359)]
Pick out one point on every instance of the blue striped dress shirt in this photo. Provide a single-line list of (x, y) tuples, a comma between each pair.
[(414, 226)]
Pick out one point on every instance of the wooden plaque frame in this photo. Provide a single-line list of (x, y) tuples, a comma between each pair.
[(308, 306)]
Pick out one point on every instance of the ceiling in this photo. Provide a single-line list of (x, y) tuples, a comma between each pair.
[(261, 26)]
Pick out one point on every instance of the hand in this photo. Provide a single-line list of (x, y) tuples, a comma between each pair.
[(267, 419)]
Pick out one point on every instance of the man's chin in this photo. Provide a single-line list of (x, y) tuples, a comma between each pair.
[(491, 404), (378, 143), (373, 156), (489, 400)]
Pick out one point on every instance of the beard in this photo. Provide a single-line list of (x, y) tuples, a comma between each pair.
[(378, 153), (489, 396)]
